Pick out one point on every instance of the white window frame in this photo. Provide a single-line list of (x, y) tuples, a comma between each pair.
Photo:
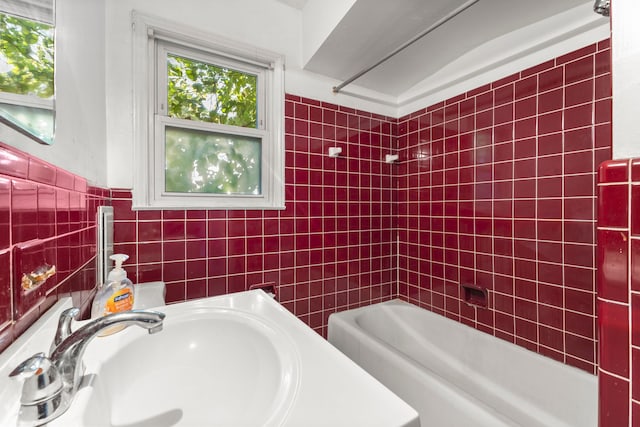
[(153, 38), (38, 11)]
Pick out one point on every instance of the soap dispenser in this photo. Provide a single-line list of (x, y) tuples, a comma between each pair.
[(116, 295)]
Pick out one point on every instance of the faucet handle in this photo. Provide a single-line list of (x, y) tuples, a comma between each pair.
[(42, 379), (64, 326)]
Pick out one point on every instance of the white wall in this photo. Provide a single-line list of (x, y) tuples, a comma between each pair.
[(94, 83), (625, 52), (521, 49), (265, 24), (80, 144), (319, 18)]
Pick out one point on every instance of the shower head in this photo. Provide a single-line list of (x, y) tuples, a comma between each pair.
[(602, 7)]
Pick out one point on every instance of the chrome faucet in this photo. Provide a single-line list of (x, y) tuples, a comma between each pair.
[(52, 382)]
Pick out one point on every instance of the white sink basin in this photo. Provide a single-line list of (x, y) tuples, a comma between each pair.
[(206, 367), (237, 360)]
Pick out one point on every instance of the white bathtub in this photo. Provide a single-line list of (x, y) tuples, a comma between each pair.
[(454, 375)]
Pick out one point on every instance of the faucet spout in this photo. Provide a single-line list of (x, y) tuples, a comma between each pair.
[(67, 357), (52, 382)]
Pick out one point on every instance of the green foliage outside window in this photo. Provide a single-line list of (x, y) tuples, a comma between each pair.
[(204, 161), (208, 93), (26, 57)]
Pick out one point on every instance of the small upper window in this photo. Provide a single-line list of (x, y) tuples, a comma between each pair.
[(26, 74), (214, 125)]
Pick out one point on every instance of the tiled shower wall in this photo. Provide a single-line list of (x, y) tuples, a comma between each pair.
[(619, 292), (47, 217), (496, 189), (332, 248)]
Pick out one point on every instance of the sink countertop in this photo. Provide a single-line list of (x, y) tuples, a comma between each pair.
[(330, 389)]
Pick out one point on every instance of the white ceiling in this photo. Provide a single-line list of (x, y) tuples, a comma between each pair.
[(371, 29)]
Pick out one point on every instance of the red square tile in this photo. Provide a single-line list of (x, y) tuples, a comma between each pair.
[(579, 139), (613, 410), (42, 172), (550, 144), (612, 265), (549, 230), (635, 210), (613, 205), (603, 111), (525, 168), (80, 184), (5, 288), (635, 380), (579, 232), (613, 323), (13, 162), (580, 324), (580, 162), (635, 170), (549, 187), (575, 117), (579, 208), (549, 208), (579, 93), (580, 348), (174, 230), (196, 289), (579, 70), (46, 211), (525, 148), (124, 231), (579, 185), (550, 337), (503, 94), (503, 113), (579, 254), (551, 79), (579, 278), (613, 171), (24, 211), (603, 86), (635, 265), (549, 166), (550, 101), (5, 213), (602, 136)]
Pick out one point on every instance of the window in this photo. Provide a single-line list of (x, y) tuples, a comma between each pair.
[(26, 69), (209, 121)]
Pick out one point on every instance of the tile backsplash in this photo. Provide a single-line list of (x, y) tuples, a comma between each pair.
[(47, 222), (496, 189), (619, 292), (332, 248)]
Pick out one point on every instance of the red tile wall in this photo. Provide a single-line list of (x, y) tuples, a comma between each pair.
[(332, 248), (619, 292), (47, 216), (496, 189)]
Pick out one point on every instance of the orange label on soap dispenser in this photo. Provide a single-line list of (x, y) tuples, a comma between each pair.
[(121, 300)]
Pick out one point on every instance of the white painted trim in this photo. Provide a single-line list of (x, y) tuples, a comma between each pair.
[(511, 53), (146, 29), (625, 65), (26, 100), (36, 10)]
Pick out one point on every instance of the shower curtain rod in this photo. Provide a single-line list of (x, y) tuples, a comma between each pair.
[(437, 24)]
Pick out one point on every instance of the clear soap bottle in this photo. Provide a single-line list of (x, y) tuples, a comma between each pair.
[(116, 295)]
